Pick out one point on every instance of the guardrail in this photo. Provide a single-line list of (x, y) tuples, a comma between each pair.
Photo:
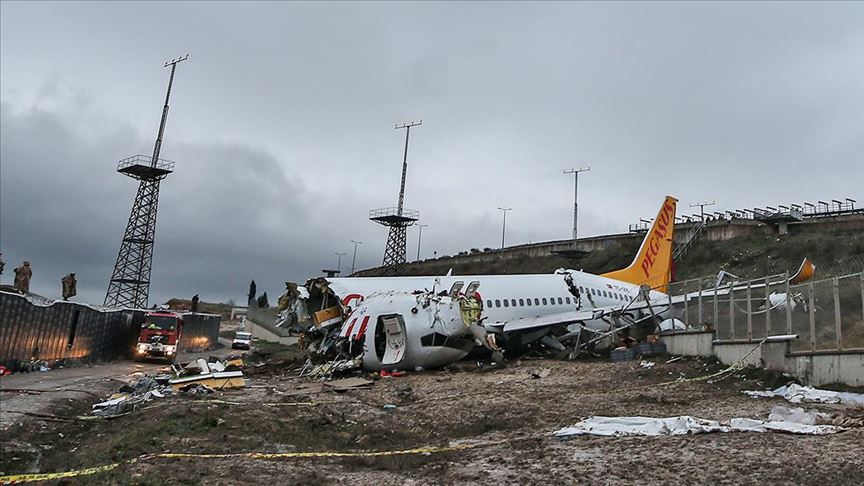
[(827, 314)]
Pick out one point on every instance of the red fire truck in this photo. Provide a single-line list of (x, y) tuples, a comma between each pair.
[(159, 336)]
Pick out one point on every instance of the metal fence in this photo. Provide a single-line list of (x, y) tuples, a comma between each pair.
[(62, 331), (43, 330), (200, 331), (827, 314)]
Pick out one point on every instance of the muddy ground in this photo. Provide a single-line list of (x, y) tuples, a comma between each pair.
[(520, 404)]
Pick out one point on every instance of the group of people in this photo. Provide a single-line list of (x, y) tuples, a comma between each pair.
[(24, 273)]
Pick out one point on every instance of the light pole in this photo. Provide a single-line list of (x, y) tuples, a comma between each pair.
[(504, 226), (339, 261), (575, 173), (420, 238), (354, 258), (701, 206)]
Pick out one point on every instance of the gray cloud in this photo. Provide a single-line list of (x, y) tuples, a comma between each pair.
[(281, 124)]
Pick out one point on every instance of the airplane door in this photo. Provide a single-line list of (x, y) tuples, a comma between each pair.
[(394, 337)]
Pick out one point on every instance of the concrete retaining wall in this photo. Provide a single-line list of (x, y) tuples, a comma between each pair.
[(811, 368), (695, 343)]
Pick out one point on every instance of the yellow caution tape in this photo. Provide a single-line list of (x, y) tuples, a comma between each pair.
[(29, 478)]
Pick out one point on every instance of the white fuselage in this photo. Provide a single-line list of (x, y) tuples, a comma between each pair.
[(505, 297)]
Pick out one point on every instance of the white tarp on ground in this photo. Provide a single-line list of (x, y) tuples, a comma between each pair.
[(685, 424), (807, 394)]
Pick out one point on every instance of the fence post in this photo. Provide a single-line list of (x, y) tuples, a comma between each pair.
[(812, 317), (716, 313), (838, 328), (699, 313), (749, 313), (788, 304), (686, 306), (732, 310), (767, 306)]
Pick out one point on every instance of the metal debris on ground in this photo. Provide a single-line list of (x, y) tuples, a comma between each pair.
[(685, 425), (795, 393), (132, 395), (646, 364), (348, 384), (213, 374), (198, 377), (326, 371)]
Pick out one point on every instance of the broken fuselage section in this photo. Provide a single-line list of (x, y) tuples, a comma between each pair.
[(388, 330)]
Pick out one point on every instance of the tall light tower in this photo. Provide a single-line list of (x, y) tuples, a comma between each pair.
[(575, 173), (354, 258), (504, 225), (339, 261), (701, 206), (420, 238), (398, 219), (130, 280)]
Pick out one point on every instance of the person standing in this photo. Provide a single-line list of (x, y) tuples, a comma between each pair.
[(70, 286), (195, 303), (22, 277)]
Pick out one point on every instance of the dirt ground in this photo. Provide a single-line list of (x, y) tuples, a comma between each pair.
[(518, 405)]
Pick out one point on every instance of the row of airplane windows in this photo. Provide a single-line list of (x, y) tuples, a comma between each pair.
[(552, 300), (527, 302)]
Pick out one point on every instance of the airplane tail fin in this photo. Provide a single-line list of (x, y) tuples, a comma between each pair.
[(653, 263)]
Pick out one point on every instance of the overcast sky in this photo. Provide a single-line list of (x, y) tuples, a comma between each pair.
[(282, 125)]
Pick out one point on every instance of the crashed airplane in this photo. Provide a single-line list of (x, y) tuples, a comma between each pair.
[(406, 323)]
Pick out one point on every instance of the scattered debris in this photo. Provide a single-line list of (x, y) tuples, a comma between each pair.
[(795, 393), (348, 384), (132, 396), (685, 424), (647, 364), (214, 374), (676, 358), (196, 377)]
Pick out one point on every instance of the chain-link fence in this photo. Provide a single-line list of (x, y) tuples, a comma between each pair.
[(827, 314)]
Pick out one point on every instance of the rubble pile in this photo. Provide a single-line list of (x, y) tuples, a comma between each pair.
[(196, 377)]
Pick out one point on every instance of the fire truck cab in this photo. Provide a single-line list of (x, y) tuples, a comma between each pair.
[(160, 335)]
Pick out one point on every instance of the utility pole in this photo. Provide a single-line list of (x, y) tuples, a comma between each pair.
[(398, 219), (504, 226), (419, 239), (701, 206), (575, 173), (339, 261), (354, 258), (407, 126), (130, 280)]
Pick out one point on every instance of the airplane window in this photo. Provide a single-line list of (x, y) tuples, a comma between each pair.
[(506, 303), (521, 302), (528, 301), (560, 301), (497, 303), (536, 301), (566, 300), (513, 302), (544, 300), (594, 292), (488, 303)]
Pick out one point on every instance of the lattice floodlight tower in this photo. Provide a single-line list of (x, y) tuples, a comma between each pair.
[(398, 219), (130, 281)]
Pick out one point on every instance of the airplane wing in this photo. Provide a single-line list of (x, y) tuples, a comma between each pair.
[(572, 317)]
